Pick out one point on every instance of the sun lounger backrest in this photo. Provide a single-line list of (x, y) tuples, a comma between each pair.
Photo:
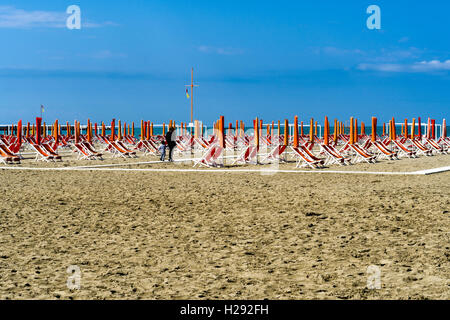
[(401, 146), (359, 150)]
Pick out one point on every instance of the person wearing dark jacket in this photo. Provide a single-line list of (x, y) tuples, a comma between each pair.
[(170, 140)]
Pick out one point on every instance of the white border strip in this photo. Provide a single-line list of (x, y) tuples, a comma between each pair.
[(261, 171)]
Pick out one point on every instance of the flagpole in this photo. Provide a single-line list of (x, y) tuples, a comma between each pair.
[(192, 95), (192, 85)]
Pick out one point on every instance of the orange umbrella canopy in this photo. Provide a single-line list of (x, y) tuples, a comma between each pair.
[(444, 129), (326, 132), (336, 128), (113, 130), (55, 130), (296, 132), (352, 135), (222, 131), (405, 133), (119, 132), (256, 132), (374, 128), (286, 132), (311, 130), (19, 131), (394, 133), (77, 137), (413, 125), (89, 132)]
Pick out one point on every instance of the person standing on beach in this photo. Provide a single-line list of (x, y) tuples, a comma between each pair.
[(170, 139)]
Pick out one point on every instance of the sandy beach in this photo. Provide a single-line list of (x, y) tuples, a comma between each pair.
[(187, 235)]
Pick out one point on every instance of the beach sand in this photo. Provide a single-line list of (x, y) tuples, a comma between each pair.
[(186, 235)]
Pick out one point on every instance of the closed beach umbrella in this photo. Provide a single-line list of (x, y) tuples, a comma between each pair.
[(444, 129), (419, 128), (286, 132), (143, 125), (113, 130), (89, 132), (413, 127), (38, 131), (222, 131), (433, 129), (352, 136), (103, 129), (355, 131), (77, 138), (394, 133), (374, 129), (256, 132), (296, 132), (19, 131), (311, 130), (325, 132), (405, 133)]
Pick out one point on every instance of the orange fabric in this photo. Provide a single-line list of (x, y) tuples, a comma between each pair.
[(296, 132), (286, 132)]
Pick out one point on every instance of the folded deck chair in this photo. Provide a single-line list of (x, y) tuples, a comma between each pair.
[(8, 155), (41, 153), (403, 150), (82, 153), (275, 154), (116, 150), (361, 154), (52, 152), (91, 150), (210, 157), (247, 156), (384, 152), (421, 149), (333, 156), (124, 147), (147, 147), (436, 147), (306, 159)]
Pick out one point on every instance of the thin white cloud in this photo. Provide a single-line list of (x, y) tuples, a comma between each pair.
[(220, 51), (106, 54), (334, 51), (10, 17), (13, 18), (433, 66)]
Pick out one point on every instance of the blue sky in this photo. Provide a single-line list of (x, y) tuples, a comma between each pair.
[(271, 59)]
